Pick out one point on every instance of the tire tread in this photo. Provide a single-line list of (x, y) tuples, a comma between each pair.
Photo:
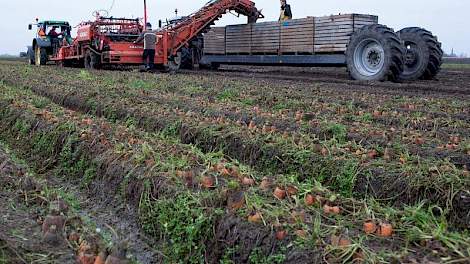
[(435, 51)]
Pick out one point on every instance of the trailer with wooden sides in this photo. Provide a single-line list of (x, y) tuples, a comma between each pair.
[(369, 50)]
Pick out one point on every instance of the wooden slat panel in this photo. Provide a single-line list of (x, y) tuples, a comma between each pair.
[(265, 37), (237, 28), (330, 48), (214, 41), (334, 23), (319, 34), (238, 39), (337, 42), (347, 16), (333, 36), (274, 34), (333, 33), (297, 36)]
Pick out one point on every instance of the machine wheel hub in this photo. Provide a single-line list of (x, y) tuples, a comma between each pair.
[(369, 57), (411, 56)]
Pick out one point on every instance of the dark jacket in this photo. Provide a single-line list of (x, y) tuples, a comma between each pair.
[(286, 12)]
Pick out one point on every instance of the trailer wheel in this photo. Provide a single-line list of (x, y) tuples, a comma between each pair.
[(375, 53), (423, 57), (40, 56)]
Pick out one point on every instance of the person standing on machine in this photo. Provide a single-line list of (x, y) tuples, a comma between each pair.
[(150, 42), (286, 12)]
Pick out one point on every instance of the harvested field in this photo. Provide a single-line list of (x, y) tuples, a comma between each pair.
[(248, 164)]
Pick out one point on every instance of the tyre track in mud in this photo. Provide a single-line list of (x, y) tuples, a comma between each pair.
[(21, 237), (418, 88), (21, 181)]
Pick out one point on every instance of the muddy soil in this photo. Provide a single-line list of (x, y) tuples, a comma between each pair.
[(119, 218), (449, 82), (21, 235), (102, 207), (253, 153)]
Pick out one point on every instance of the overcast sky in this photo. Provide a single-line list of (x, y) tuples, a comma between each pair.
[(447, 19)]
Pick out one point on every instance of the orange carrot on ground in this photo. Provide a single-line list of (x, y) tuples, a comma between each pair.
[(265, 184), (279, 193), (385, 230), (248, 181), (207, 182), (292, 190), (309, 200), (281, 234), (369, 227), (255, 217)]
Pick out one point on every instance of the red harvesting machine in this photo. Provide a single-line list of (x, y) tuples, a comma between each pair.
[(109, 41), (104, 41)]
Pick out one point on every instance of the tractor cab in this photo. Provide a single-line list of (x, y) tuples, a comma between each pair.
[(50, 36), (45, 30)]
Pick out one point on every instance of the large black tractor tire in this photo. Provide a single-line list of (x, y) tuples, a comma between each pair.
[(375, 53), (191, 56), (423, 57), (92, 61), (31, 60), (187, 58), (40, 56), (30, 55), (174, 63)]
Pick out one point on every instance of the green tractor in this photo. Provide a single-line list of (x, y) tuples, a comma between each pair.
[(50, 36)]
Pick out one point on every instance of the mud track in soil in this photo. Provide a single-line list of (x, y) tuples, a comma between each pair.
[(20, 234), (449, 82)]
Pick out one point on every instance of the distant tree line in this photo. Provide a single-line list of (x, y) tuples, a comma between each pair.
[(453, 54)]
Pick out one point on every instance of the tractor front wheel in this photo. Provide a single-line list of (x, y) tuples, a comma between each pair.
[(40, 56), (375, 53), (31, 56), (423, 57)]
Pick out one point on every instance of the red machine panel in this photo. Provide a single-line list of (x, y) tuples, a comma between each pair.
[(85, 33)]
